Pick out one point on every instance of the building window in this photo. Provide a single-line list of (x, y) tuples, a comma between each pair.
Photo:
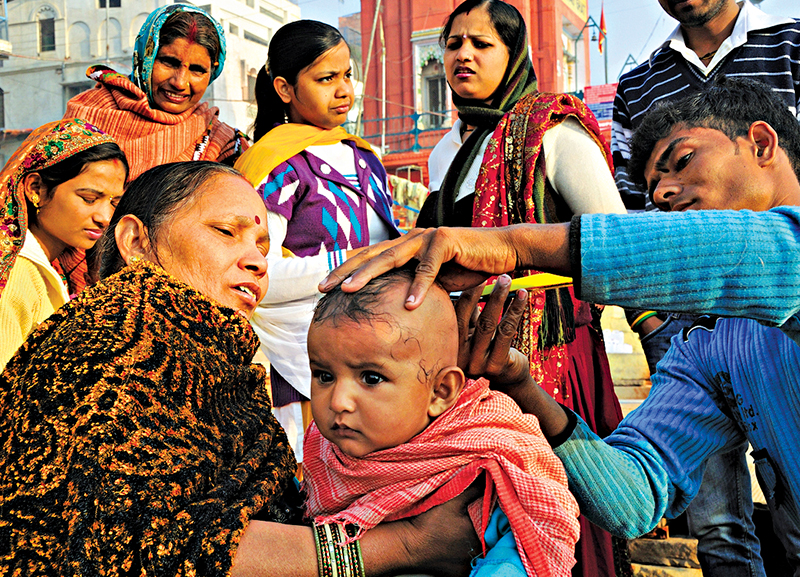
[(71, 90), (271, 14), (111, 3), (233, 29), (251, 3), (435, 94), (253, 38), (47, 34), (251, 85)]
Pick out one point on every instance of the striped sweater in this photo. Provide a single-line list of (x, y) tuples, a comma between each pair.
[(724, 382), (742, 264), (761, 47)]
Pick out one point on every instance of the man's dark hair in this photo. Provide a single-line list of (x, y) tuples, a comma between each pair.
[(363, 305), (729, 105)]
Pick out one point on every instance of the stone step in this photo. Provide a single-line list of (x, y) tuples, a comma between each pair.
[(675, 552), (637, 392), (660, 571)]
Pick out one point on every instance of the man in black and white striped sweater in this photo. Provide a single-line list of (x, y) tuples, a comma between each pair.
[(714, 37)]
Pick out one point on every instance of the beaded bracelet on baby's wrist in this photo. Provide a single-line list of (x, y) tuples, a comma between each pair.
[(335, 557)]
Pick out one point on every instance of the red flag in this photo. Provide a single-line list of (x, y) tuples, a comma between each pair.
[(602, 44)]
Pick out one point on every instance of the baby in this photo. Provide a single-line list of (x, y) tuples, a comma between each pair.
[(398, 429)]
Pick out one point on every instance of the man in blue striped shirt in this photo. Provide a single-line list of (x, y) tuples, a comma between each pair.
[(714, 37)]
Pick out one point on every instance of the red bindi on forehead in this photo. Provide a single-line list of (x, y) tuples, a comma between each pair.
[(258, 219)]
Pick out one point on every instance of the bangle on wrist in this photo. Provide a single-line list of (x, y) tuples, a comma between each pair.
[(338, 551), (641, 318)]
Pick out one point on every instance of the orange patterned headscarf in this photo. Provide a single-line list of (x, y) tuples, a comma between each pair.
[(46, 146)]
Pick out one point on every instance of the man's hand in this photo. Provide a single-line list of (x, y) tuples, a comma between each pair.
[(461, 258), (485, 338)]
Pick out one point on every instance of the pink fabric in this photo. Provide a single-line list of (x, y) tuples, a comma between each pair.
[(484, 432)]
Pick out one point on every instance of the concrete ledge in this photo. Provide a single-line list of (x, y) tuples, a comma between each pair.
[(673, 553), (657, 571)]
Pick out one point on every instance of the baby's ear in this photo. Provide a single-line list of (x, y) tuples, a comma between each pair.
[(449, 383)]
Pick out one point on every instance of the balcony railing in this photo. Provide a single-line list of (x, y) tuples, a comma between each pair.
[(410, 133)]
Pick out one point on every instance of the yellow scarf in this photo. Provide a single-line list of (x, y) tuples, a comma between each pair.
[(285, 141)]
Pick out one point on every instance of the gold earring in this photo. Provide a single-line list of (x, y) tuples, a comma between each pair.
[(134, 259), (35, 200)]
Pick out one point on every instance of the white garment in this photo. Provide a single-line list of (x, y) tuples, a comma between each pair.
[(574, 164), (750, 18)]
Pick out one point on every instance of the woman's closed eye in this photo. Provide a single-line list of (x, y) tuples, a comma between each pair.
[(224, 231), (169, 61)]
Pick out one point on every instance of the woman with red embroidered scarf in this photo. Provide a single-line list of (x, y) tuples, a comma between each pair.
[(516, 155)]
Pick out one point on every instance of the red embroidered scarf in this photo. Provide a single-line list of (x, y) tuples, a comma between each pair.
[(512, 188)]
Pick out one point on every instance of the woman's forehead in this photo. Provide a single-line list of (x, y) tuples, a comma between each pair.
[(229, 194)]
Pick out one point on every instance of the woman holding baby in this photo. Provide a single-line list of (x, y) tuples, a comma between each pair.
[(137, 434)]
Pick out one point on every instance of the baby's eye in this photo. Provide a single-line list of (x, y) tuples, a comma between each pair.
[(323, 377), (372, 379)]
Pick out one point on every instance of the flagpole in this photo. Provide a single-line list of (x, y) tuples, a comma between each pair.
[(604, 39)]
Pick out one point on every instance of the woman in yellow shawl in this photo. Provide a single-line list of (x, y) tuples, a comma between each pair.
[(58, 193)]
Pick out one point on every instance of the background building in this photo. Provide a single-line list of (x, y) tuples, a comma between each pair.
[(55, 41), (408, 105)]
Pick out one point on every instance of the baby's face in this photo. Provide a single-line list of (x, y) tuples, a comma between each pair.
[(372, 383)]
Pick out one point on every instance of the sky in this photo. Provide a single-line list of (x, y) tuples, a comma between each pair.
[(635, 27)]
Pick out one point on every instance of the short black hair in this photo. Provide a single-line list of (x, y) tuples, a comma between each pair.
[(730, 105), (363, 305)]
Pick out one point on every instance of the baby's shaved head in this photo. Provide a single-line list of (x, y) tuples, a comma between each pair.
[(382, 300)]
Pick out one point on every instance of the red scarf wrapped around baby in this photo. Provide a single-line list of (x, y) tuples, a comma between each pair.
[(484, 431)]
